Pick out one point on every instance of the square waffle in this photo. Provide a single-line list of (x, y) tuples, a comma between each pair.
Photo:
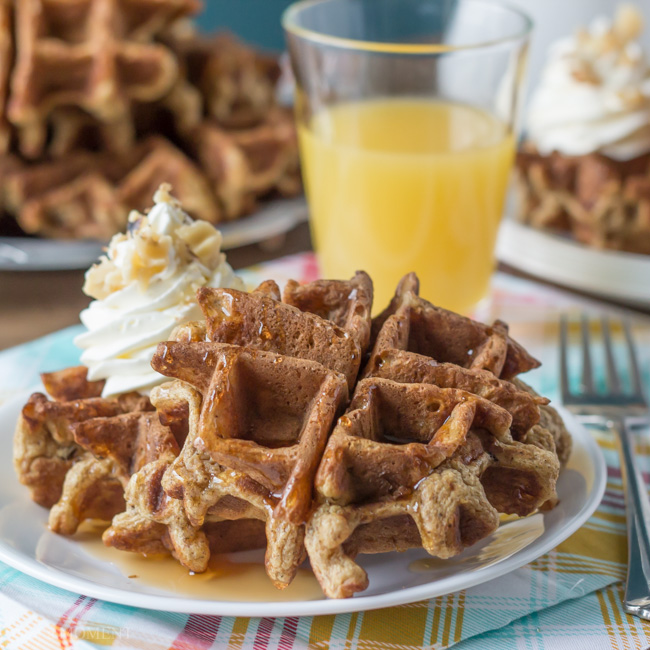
[(44, 445), (118, 446), (94, 54), (86, 194), (417, 465), (237, 82), (413, 324), (154, 523), (262, 457), (250, 163), (259, 321)]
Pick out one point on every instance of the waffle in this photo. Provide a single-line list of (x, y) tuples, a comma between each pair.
[(87, 85), (118, 447), (237, 83), (346, 303), (73, 130), (256, 462), (159, 159), (247, 164), (551, 423), (153, 523), (6, 60), (88, 195), (417, 465), (44, 444), (601, 202), (97, 55), (259, 321), (409, 368), (406, 350), (413, 324)]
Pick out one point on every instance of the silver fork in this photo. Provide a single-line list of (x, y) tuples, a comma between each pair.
[(616, 410)]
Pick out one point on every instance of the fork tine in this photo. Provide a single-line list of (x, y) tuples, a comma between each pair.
[(564, 364), (613, 379), (637, 388), (587, 381)]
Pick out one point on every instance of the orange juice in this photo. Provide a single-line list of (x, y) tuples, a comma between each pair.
[(397, 185)]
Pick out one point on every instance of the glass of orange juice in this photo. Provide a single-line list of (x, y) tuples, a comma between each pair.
[(406, 114)]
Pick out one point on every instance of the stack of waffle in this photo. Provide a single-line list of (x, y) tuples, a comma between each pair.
[(601, 202), (295, 422), (102, 100)]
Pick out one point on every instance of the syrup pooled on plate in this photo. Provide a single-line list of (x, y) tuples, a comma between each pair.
[(225, 579)]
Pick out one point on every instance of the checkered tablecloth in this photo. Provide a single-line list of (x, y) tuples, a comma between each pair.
[(569, 599)]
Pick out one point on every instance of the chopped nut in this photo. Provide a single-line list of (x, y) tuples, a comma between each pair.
[(628, 23), (584, 73)]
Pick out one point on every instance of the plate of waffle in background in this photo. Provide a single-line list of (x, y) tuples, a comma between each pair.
[(274, 451), (583, 171), (98, 108)]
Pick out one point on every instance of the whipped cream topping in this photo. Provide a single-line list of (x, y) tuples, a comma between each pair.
[(594, 94), (144, 287)]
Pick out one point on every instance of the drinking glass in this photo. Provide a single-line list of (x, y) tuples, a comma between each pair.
[(406, 114)]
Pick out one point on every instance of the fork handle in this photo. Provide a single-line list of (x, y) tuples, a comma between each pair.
[(637, 588)]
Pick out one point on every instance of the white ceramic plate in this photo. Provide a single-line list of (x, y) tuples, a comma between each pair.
[(28, 254), (612, 274), (27, 545)]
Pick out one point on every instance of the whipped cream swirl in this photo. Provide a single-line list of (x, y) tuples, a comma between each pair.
[(144, 287), (594, 94)]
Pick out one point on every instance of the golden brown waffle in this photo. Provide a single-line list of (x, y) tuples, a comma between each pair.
[(88, 195), (255, 439), (406, 350), (44, 445), (414, 464), (346, 303), (248, 164), (602, 202), (154, 523), (258, 321), (551, 423), (74, 131), (409, 367), (237, 82), (71, 384), (96, 55), (87, 85), (117, 447), (158, 159), (6, 60), (413, 324)]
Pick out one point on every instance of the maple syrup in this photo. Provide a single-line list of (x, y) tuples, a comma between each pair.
[(226, 578)]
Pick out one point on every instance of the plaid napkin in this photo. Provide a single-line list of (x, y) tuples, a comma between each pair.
[(568, 599)]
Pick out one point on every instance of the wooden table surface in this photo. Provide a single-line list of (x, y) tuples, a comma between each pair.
[(33, 304)]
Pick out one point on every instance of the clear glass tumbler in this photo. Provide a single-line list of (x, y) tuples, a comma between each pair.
[(406, 113)]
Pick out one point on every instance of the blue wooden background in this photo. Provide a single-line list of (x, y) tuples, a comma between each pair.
[(256, 21)]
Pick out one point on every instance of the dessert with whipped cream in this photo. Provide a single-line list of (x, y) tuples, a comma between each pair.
[(585, 165), (145, 286)]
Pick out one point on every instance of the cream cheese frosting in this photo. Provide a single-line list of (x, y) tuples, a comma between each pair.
[(594, 94), (144, 287)]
